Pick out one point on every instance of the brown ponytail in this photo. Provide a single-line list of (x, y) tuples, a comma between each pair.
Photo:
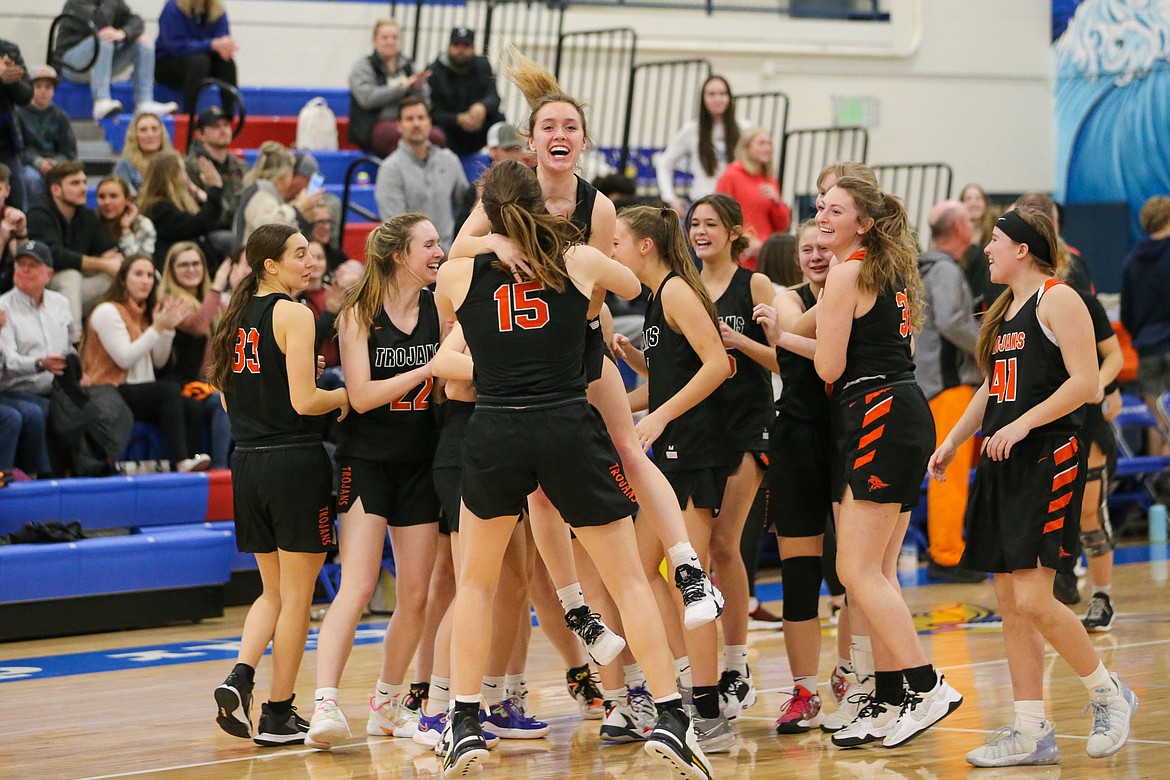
[(390, 238), (661, 226)]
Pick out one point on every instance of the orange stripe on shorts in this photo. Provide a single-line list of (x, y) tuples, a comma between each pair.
[(1063, 478), (1065, 451), (1054, 525), (866, 458), (871, 437), (1059, 503), (870, 396), (880, 410)]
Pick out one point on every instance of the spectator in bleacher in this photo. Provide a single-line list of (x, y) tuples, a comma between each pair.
[(119, 45), (47, 133), (33, 346), (213, 137), (145, 137), (321, 232), (305, 167), (128, 336), (464, 100), (706, 144), (179, 210), (186, 276), (85, 257), (1145, 308), (751, 181), (419, 176), (134, 232), (324, 297), (13, 229), (267, 188), (946, 370), (377, 86), (194, 43), (974, 261), (15, 90)]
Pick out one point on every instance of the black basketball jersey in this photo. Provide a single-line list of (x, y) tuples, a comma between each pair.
[(879, 341), (689, 441), (1102, 327), (582, 215), (1026, 368), (258, 401), (744, 401), (404, 429), (803, 395), (525, 340)]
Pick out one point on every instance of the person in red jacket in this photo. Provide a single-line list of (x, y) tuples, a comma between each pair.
[(752, 182)]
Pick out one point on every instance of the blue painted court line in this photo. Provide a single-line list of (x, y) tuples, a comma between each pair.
[(950, 617)]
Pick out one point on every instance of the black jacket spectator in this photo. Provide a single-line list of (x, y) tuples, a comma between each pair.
[(103, 13), (454, 89), (15, 90), (69, 240)]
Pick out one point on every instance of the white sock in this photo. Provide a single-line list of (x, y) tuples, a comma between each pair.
[(439, 697), (384, 692), (326, 693), (1106, 589), (735, 659), (682, 553), (845, 664), (862, 651), (634, 676), (1099, 685), (571, 596), (616, 694), (809, 683), (1030, 718), (492, 690), (682, 670)]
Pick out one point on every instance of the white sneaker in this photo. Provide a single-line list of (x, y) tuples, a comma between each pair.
[(156, 108), (200, 462), (104, 107), (328, 726), (1111, 719), (847, 710), (736, 692), (392, 719), (702, 600), (619, 726), (920, 711), (1008, 747), (714, 734), (874, 721), (602, 644)]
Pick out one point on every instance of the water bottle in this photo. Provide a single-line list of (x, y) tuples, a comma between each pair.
[(1157, 517), (908, 559)]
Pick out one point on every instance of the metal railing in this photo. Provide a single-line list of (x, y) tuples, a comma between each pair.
[(240, 112), (806, 152), (365, 160), (920, 186), (667, 95)]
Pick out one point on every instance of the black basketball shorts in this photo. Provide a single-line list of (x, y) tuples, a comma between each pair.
[(564, 449), (283, 498), (1026, 510), (885, 438), (403, 493), (799, 477)]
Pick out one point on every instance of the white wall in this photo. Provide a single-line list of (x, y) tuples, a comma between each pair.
[(967, 82)]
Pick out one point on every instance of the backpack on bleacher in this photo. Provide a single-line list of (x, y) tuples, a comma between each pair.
[(317, 127)]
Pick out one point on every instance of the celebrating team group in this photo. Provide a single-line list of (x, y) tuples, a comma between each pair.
[(485, 422)]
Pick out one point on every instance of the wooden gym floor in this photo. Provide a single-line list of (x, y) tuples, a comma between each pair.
[(95, 718)]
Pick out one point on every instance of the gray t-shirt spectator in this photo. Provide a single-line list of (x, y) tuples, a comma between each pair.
[(433, 185)]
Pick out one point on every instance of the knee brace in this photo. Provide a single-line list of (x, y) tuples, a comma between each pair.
[(1096, 543), (802, 587)]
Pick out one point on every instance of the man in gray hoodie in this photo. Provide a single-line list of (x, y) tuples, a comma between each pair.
[(946, 371)]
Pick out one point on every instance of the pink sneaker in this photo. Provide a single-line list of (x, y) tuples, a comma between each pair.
[(800, 713)]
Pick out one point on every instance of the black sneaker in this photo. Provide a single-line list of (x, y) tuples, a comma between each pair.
[(414, 698), (1064, 587), (602, 644), (233, 701), (1099, 616), (585, 687), (673, 740), (276, 730), (466, 744)]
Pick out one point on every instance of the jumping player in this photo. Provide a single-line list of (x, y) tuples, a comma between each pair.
[(263, 361), (527, 340), (1036, 347)]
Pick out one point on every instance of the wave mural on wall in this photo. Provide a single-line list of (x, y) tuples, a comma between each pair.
[(1112, 65)]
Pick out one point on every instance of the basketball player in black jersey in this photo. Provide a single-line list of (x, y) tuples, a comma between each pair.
[(389, 332), (558, 136), (1036, 348), (744, 402), (264, 362), (527, 341), (799, 492), (865, 323)]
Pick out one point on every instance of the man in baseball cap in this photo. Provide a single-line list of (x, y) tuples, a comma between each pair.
[(503, 142), (464, 100), (47, 133), (214, 127), (38, 250)]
